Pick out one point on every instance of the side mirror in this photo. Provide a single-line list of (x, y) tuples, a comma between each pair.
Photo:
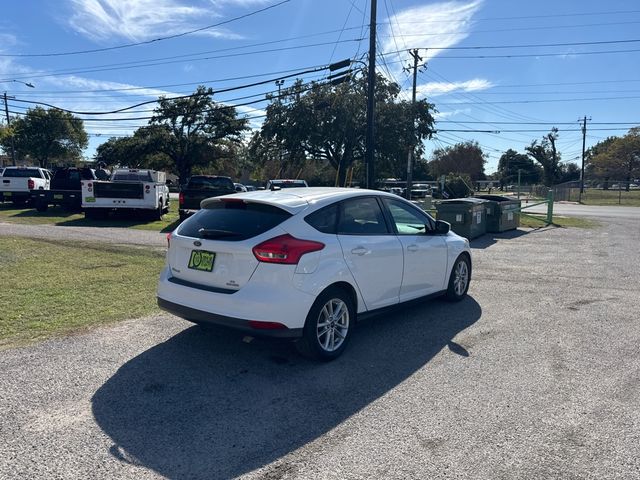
[(442, 227)]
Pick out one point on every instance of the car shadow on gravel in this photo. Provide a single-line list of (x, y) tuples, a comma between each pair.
[(204, 404), (489, 239)]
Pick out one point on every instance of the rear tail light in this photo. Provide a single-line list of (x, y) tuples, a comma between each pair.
[(169, 240), (285, 249), (147, 189), (31, 185), (181, 198)]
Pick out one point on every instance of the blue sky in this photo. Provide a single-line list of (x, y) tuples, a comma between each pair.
[(513, 92)]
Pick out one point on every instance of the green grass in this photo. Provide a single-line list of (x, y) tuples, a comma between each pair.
[(51, 289), (593, 196), (558, 221), (59, 216)]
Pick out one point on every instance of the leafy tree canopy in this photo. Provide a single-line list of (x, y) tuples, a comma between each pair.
[(327, 123), (461, 158), (47, 135), (511, 162), (617, 158), (547, 155), (194, 130)]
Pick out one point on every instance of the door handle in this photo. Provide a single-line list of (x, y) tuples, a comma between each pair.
[(412, 248), (359, 251)]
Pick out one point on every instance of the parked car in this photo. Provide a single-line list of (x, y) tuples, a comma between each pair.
[(285, 183), (305, 263), (200, 187), (240, 187), (65, 189), (18, 183)]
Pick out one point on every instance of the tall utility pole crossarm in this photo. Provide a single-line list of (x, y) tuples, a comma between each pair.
[(371, 101), (416, 59)]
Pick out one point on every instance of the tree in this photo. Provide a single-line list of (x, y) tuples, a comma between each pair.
[(194, 130), (569, 172), (327, 123), (47, 135), (461, 158), (511, 162), (546, 154), (617, 157), (143, 149)]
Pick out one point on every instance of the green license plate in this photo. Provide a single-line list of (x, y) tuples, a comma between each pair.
[(201, 260), (7, 194), (89, 199), (57, 196)]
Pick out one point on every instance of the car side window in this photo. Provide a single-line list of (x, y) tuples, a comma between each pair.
[(324, 220), (361, 216), (407, 219)]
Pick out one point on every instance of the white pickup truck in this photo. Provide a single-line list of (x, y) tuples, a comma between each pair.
[(129, 189), (17, 183)]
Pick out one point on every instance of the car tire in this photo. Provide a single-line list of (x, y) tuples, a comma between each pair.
[(329, 326), (42, 207), (459, 279)]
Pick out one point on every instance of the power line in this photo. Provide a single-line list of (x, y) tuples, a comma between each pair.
[(56, 73), (228, 89), (202, 82), (154, 40)]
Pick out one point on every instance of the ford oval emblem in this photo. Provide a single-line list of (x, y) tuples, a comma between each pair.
[(197, 243)]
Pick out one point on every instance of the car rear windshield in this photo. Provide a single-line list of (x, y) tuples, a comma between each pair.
[(22, 173), (233, 221), (132, 177), (210, 182)]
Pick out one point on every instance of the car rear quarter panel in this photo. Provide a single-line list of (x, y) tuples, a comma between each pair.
[(319, 270)]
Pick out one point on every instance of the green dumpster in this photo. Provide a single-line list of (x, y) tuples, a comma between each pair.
[(503, 213), (467, 216)]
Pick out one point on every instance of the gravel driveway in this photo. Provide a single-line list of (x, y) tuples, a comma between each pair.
[(123, 236), (535, 375)]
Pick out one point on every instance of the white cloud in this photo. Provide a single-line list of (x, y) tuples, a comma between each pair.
[(425, 27), (436, 25), (139, 20), (433, 89), (240, 3), (452, 113)]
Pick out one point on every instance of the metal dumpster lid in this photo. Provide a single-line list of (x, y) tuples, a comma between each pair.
[(472, 200), (496, 198)]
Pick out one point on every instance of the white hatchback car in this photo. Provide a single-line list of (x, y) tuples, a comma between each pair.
[(305, 262)]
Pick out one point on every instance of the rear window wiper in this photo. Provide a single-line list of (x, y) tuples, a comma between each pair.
[(213, 233)]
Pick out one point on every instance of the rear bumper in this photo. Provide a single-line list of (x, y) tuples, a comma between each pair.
[(207, 318), (20, 196)]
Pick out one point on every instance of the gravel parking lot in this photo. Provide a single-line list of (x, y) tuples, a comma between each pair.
[(535, 375)]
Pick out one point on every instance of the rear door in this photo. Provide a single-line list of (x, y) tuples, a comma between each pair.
[(213, 248), (371, 250)]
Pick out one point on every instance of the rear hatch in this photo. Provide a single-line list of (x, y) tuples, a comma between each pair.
[(213, 248)]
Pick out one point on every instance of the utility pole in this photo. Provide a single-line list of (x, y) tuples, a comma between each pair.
[(584, 139), (416, 59), (13, 147), (371, 101), (6, 112), (279, 84)]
